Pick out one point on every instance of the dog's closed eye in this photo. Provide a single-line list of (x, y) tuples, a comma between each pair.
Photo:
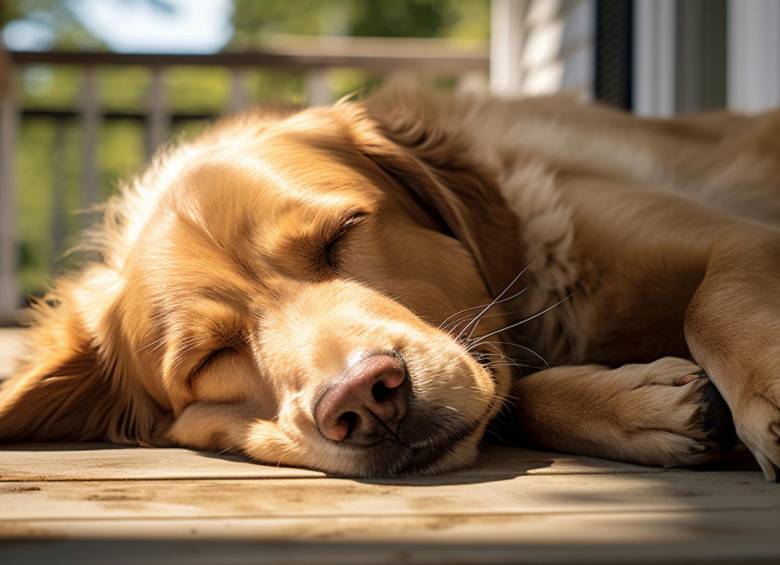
[(333, 246), (211, 359)]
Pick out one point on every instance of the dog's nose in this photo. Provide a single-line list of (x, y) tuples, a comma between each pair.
[(366, 403)]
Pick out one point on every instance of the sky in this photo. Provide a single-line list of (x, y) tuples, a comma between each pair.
[(196, 26)]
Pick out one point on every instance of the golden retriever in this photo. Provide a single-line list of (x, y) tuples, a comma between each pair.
[(362, 288)]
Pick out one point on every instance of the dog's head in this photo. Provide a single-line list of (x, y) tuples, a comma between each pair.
[(296, 288)]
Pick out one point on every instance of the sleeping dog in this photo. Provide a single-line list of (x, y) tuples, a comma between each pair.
[(362, 288)]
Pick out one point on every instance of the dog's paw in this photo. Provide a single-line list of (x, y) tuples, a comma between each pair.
[(678, 416), (758, 425)]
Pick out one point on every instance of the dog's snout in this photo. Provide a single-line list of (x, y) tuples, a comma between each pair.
[(366, 403)]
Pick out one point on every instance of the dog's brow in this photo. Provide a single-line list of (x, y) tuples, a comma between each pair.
[(304, 229), (233, 297)]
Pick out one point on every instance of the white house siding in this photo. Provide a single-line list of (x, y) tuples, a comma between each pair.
[(754, 54), (542, 46)]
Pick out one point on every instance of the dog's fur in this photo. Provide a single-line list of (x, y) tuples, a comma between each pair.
[(244, 271)]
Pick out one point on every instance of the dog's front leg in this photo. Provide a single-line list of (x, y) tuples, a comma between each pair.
[(733, 330), (668, 276), (662, 413)]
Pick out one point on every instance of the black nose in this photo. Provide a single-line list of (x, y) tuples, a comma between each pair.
[(366, 403)]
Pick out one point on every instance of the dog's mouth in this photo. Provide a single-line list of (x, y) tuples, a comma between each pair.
[(424, 442), (427, 455), (424, 456)]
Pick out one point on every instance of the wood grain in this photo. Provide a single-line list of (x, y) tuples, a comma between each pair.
[(521, 495), (76, 462)]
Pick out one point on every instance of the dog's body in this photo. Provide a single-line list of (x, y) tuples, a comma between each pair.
[(328, 289)]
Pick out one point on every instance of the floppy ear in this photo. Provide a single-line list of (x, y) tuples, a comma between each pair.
[(411, 142), (72, 386)]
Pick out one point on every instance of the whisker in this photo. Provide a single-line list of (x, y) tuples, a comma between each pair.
[(495, 301), (459, 312), (497, 314), (226, 450), (520, 274), (523, 347), (465, 317), (503, 360), (500, 295), (524, 321)]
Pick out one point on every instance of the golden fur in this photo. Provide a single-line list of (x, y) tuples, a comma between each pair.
[(242, 273)]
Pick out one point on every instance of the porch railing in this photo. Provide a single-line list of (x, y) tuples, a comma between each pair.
[(315, 59)]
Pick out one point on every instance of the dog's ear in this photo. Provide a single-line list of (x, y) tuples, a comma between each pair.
[(71, 386), (436, 166)]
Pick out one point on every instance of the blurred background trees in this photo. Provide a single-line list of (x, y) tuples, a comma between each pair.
[(48, 159)]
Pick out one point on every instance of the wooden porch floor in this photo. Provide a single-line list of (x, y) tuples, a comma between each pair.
[(96, 503)]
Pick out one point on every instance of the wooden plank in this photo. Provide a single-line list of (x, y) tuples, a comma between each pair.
[(378, 54), (68, 462), (674, 491), (79, 462), (716, 537)]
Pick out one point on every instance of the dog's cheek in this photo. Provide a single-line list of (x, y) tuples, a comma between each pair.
[(444, 376), (273, 443), (236, 379), (217, 427)]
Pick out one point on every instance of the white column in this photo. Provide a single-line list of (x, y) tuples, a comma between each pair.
[(654, 57), (506, 46), (754, 54)]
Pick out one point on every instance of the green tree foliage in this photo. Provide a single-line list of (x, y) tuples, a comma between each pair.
[(461, 19), (56, 17)]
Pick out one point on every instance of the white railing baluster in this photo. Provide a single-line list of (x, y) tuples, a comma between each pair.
[(90, 132), (318, 91), (239, 98), (9, 285), (159, 118), (58, 188)]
